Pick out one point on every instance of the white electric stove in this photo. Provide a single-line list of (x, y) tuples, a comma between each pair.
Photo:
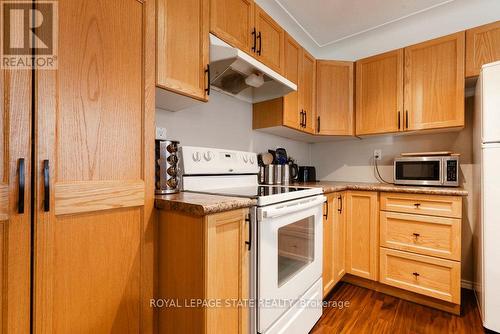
[(286, 258)]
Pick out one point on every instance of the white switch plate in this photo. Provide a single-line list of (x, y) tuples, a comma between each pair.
[(377, 154), (161, 133)]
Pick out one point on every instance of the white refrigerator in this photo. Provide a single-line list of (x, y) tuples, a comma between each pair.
[(486, 161)]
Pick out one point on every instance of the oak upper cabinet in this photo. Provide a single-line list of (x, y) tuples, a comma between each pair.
[(362, 243), (482, 47), (291, 113), (182, 47), (15, 198), (233, 22), (334, 97), (434, 83), (270, 40), (297, 109), (209, 259), (379, 93), (307, 91), (93, 259)]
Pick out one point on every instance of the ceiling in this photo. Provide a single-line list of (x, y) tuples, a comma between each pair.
[(330, 21)]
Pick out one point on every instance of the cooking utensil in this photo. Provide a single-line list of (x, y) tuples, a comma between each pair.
[(267, 158), (273, 153), (281, 156)]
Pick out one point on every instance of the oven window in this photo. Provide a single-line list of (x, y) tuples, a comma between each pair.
[(295, 248), (418, 170)]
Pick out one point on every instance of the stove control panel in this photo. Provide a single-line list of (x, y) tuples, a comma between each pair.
[(204, 160)]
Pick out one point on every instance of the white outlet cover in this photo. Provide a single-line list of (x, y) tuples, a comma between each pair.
[(377, 153), (161, 133)]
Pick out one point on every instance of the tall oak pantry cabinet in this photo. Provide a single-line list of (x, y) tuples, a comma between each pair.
[(90, 239)]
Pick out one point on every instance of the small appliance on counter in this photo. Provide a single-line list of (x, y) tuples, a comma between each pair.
[(307, 174), (427, 169), (167, 167)]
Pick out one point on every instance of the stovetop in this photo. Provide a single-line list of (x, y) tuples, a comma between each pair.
[(266, 194)]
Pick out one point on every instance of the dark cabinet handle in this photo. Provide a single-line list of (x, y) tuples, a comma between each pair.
[(250, 233), (254, 34), (46, 186), (302, 118), (416, 275), (407, 124), (207, 72), (327, 210), (305, 118), (319, 124), (417, 205), (259, 37), (416, 235), (340, 204), (399, 120), (22, 183)]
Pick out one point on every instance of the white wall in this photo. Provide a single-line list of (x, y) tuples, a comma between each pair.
[(225, 122), (351, 160)]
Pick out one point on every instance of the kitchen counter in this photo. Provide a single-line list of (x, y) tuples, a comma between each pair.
[(201, 204), (334, 186)]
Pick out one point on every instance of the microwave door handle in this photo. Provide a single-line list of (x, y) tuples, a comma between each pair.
[(273, 213)]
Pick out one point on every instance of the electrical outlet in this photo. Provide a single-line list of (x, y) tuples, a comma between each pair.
[(377, 154), (161, 133)]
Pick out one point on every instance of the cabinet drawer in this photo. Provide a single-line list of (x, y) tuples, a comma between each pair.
[(426, 275), (434, 205), (427, 235)]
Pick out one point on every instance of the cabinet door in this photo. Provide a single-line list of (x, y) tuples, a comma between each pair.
[(435, 83), (233, 21), (307, 83), (362, 234), (339, 237), (227, 265), (291, 112), (270, 41), (182, 46), (94, 148), (335, 97), (15, 226), (328, 244), (482, 47), (379, 93)]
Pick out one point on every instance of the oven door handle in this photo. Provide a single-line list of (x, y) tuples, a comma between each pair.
[(293, 207)]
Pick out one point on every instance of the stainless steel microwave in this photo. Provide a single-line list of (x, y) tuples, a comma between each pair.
[(427, 171)]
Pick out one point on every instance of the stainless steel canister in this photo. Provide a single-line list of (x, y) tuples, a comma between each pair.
[(286, 175), (269, 174), (278, 174)]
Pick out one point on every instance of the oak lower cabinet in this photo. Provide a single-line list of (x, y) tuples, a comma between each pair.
[(93, 212), (420, 246), (334, 234), (334, 98), (362, 234), (379, 93), (203, 258), (182, 48), (482, 47), (435, 83)]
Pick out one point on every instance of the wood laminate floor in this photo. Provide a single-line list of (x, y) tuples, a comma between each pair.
[(374, 312)]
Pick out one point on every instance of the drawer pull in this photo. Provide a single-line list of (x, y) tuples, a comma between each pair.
[(416, 275), (416, 235), (417, 205)]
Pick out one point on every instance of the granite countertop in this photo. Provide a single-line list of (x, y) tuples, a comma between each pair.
[(201, 204), (334, 186)]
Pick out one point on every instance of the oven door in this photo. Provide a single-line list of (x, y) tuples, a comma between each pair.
[(426, 171), (290, 252)]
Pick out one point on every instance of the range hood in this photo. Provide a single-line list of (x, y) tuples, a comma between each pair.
[(236, 73)]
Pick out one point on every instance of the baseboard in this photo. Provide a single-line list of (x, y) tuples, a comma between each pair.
[(469, 285)]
